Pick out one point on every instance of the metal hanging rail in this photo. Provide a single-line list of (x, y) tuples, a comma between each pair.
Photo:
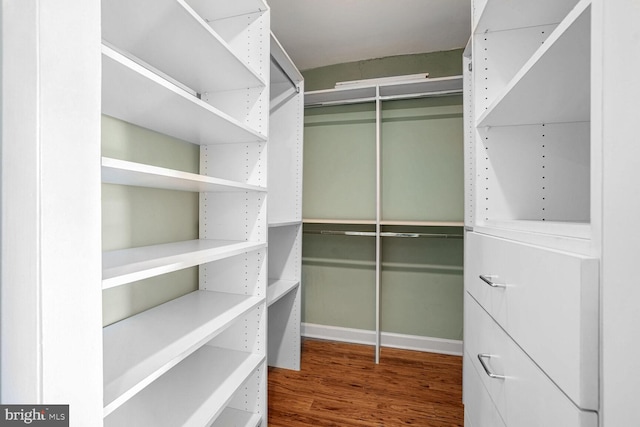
[(410, 235)]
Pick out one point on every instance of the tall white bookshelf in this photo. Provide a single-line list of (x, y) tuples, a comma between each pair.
[(285, 210), (194, 71)]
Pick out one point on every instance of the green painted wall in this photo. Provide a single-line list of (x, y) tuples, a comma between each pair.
[(136, 216), (437, 64), (422, 179)]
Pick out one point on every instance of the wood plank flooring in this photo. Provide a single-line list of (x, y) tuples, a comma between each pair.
[(340, 385)]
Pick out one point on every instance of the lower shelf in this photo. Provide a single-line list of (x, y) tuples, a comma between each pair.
[(279, 288), (237, 418), (195, 392), (140, 349)]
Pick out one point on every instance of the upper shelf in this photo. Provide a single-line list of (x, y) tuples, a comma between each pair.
[(123, 172), (128, 265), (132, 93), (170, 36), (395, 89), (557, 76), (214, 11), (497, 15)]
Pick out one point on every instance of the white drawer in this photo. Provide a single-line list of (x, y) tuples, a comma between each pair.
[(547, 301), (523, 395), (478, 406)]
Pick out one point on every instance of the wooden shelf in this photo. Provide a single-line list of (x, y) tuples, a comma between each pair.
[(142, 348), (498, 15), (191, 52), (129, 265), (237, 418), (284, 223), (557, 76), (134, 94), (279, 288), (123, 172), (193, 393)]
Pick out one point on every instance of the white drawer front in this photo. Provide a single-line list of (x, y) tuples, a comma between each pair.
[(547, 301), (523, 395), (478, 406)]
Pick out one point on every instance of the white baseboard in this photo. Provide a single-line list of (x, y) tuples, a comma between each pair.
[(388, 339)]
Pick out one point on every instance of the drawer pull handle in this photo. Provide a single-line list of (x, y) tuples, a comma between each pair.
[(489, 281), (481, 358)]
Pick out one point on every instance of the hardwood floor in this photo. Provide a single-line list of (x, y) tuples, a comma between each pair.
[(340, 385)]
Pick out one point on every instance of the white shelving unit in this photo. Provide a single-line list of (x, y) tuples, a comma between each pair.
[(534, 155), (173, 67), (542, 190), (285, 210), (377, 91)]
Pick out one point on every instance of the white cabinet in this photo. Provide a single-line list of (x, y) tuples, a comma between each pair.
[(532, 267), (285, 210), (184, 69)]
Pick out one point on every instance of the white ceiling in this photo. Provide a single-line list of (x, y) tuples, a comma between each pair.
[(324, 32)]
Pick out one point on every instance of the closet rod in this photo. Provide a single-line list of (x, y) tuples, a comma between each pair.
[(384, 234), (277, 64)]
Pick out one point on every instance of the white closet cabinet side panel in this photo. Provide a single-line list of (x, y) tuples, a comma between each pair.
[(285, 154), (236, 162), (243, 274), (50, 305)]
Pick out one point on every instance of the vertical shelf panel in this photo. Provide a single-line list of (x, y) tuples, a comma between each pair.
[(285, 211)]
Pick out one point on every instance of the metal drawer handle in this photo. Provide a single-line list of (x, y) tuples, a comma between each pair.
[(481, 358), (489, 281)]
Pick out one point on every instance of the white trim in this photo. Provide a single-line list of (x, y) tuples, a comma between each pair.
[(389, 339)]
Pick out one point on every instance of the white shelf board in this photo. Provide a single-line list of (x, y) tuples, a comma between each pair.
[(577, 230), (213, 11), (134, 94), (141, 348), (557, 76), (440, 85), (279, 288), (193, 393), (424, 223), (337, 96), (339, 221), (498, 15), (115, 171), (237, 418), (283, 60), (391, 90), (191, 52), (129, 265), (284, 223)]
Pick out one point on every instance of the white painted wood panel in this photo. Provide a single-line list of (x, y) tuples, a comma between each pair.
[(525, 397), (129, 265), (134, 94), (547, 301), (498, 15), (142, 348), (115, 171), (191, 52), (557, 76), (477, 402), (194, 393)]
